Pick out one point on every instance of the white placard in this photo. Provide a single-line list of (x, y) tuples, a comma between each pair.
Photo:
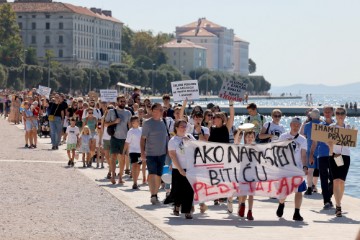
[(44, 91), (185, 89), (108, 95), (233, 90)]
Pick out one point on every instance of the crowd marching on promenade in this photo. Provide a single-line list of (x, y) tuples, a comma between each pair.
[(135, 136)]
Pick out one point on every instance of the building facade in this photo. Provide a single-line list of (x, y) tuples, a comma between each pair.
[(225, 51), (185, 55), (78, 36)]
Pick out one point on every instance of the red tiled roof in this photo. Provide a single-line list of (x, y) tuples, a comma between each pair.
[(183, 44), (204, 23), (202, 33), (40, 7)]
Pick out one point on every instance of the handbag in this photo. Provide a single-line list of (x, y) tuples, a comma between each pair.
[(52, 116), (111, 129)]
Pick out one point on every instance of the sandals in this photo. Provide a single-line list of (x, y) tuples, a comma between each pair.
[(188, 216), (176, 210), (338, 211), (108, 176)]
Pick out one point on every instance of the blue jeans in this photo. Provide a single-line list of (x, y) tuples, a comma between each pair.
[(55, 131)]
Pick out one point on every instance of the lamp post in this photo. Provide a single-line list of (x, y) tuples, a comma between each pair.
[(24, 74), (152, 76), (90, 73), (71, 77), (142, 63), (49, 65)]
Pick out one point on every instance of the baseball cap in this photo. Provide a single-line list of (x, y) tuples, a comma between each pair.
[(315, 113), (296, 120)]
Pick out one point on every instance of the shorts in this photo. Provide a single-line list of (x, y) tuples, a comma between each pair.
[(302, 187), (106, 145), (134, 157), (315, 164), (342, 171), (70, 146), (116, 145), (155, 164), (31, 125)]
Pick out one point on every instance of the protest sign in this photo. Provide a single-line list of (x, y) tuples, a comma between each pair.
[(218, 170), (185, 89), (44, 91), (107, 95), (340, 136), (233, 90), (93, 95)]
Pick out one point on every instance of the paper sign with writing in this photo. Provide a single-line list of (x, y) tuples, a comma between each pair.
[(108, 95), (218, 170), (185, 89), (233, 90), (340, 136), (44, 91)]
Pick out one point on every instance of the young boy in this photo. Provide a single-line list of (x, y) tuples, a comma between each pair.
[(132, 143), (72, 133)]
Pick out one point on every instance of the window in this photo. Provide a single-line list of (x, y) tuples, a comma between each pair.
[(47, 16), (61, 39), (184, 53), (33, 25), (174, 53), (47, 39), (47, 25), (33, 39), (61, 53), (20, 25), (61, 25), (19, 16), (33, 16), (61, 17), (174, 62)]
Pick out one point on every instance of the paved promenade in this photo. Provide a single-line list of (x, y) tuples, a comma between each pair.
[(43, 199)]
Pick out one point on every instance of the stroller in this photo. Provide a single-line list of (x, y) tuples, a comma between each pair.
[(44, 126)]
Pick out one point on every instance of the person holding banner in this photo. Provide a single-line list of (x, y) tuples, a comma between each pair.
[(181, 191), (300, 146), (339, 161)]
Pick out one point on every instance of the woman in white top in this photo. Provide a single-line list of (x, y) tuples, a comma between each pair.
[(181, 191), (339, 161), (272, 130)]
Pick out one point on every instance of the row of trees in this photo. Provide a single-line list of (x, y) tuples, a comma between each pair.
[(144, 64)]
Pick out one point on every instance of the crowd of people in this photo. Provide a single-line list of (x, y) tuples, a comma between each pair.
[(142, 136)]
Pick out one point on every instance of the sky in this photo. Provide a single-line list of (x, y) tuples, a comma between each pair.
[(291, 42)]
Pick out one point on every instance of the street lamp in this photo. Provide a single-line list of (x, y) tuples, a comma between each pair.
[(90, 73), (152, 76), (24, 76), (142, 63), (71, 77), (49, 64)]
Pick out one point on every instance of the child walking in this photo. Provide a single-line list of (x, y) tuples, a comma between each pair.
[(132, 143), (85, 146), (72, 133)]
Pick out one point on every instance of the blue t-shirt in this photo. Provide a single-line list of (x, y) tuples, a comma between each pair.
[(322, 148), (307, 132)]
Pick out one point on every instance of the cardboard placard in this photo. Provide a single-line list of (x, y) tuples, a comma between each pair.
[(233, 90), (108, 95), (93, 95), (185, 89), (340, 136), (44, 91)]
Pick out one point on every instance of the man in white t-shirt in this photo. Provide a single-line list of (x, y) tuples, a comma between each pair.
[(300, 146)]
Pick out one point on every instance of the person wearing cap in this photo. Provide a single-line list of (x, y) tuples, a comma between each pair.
[(312, 163), (326, 178), (300, 146)]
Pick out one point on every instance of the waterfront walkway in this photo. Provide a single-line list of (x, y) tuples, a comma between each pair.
[(43, 199)]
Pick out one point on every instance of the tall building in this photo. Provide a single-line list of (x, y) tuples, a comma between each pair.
[(78, 36), (225, 51), (185, 55)]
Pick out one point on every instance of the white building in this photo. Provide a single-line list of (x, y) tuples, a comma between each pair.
[(225, 52), (185, 55), (78, 36)]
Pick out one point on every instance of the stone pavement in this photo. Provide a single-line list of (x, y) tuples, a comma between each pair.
[(216, 223)]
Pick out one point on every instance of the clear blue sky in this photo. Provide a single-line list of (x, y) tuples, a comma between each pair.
[(291, 42)]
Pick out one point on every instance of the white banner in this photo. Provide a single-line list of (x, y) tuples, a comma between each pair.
[(44, 91), (185, 89), (108, 95), (226, 170), (233, 90)]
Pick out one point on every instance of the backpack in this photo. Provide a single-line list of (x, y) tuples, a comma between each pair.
[(111, 129)]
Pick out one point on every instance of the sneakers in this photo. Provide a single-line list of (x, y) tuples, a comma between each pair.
[(135, 187), (297, 217), (27, 146), (69, 162), (249, 216), (280, 210), (216, 202), (188, 216), (241, 211), (314, 189), (72, 163), (230, 206), (154, 200), (308, 191), (327, 206)]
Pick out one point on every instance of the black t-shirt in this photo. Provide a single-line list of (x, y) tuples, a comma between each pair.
[(220, 134), (56, 109), (71, 111)]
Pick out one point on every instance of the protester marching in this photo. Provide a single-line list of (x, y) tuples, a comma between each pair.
[(200, 148)]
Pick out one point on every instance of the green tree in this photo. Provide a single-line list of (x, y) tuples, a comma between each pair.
[(127, 59), (143, 62), (11, 48), (34, 75), (3, 76), (31, 57), (126, 39), (207, 82), (143, 43), (252, 66)]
